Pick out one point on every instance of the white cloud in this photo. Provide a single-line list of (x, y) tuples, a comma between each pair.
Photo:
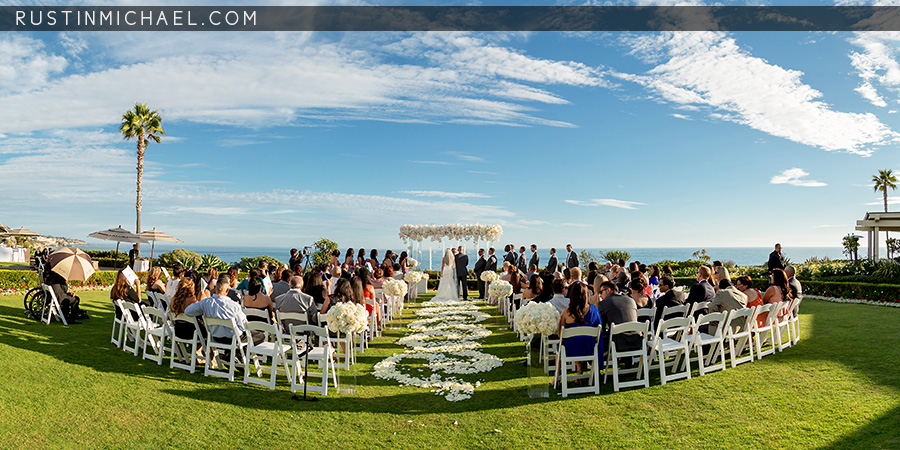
[(606, 202), (435, 163), (709, 69), (467, 157), (25, 65), (681, 116), (443, 194), (793, 177)]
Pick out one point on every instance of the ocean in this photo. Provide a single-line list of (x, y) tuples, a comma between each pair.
[(740, 255)]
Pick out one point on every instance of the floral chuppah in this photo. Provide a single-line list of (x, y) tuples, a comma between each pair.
[(417, 233), (446, 337)]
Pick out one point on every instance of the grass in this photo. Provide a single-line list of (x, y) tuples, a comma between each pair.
[(69, 387)]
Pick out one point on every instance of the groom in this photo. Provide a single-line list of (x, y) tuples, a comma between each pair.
[(462, 271)]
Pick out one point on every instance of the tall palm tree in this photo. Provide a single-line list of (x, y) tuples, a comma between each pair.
[(143, 124), (885, 180)]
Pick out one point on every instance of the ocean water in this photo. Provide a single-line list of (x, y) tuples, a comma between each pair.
[(740, 255)]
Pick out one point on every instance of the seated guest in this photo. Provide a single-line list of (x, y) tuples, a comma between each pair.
[(394, 272), (343, 293), (127, 293), (295, 301), (534, 288), (616, 308), (517, 282), (68, 302), (720, 272), (669, 298), (667, 270), (793, 283), (335, 275), (283, 285), (359, 296), (622, 282), (532, 270), (369, 292), (727, 298), (378, 281), (257, 300), (559, 301), (579, 313), (233, 274), (654, 276), (744, 284), (209, 280), (779, 290), (243, 285), (636, 287), (265, 274), (182, 297), (346, 271), (504, 275), (703, 290), (315, 288), (172, 284), (598, 280), (154, 284), (219, 306)]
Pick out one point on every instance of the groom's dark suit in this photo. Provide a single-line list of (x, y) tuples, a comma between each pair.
[(462, 261), (480, 266), (553, 264)]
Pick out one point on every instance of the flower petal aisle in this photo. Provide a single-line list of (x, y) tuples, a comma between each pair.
[(446, 337)]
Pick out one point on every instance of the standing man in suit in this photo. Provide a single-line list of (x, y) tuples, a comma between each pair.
[(520, 260), (535, 259), (553, 262), (480, 266), (571, 258), (492, 260), (462, 271), (510, 254)]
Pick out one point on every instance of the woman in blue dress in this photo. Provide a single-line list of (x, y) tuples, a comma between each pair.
[(580, 313)]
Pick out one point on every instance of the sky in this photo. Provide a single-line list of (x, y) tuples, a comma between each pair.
[(605, 140)]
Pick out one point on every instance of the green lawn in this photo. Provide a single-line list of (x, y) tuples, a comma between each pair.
[(69, 387)]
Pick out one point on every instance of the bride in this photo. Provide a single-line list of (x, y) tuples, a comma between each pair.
[(448, 288)]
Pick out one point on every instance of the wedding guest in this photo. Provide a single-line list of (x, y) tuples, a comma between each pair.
[(361, 258), (654, 276), (389, 257), (343, 293), (517, 282), (335, 276), (559, 301), (579, 313), (641, 299), (567, 276), (616, 308), (373, 259), (334, 262), (244, 284), (669, 298), (532, 270), (369, 292), (154, 284), (667, 270), (356, 286), (296, 301), (264, 277), (506, 271), (121, 290), (793, 283), (598, 280), (233, 274), (348, 258), (727, 298), (378, 280), (702, 291), (778, 291), (209, 279), (283, 285), (622, 282), (221, 307), (68, 302), (172, 284), (315, 287), (257, 300), (535, 286), (395, 272), (182, 297)]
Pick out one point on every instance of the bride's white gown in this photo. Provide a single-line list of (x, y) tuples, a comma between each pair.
[(448, 287)]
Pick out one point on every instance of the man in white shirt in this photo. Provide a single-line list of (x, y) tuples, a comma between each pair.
[(559, 301), (219, 306)]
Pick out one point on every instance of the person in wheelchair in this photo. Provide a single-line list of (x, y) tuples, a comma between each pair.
[(69, 302)]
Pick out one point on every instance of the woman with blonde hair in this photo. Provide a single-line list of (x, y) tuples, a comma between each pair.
[(154, 284)]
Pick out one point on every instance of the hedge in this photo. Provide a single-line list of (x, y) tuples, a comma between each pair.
[(24, 279)]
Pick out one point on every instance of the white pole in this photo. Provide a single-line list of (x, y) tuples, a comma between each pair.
[(430, 253)]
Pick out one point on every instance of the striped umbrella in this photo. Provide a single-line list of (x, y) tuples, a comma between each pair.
[(153, 236), (71, 264)]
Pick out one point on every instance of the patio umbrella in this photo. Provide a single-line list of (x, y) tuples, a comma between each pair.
[(71, 264), (20, 232), (119, 235), (154, 235)]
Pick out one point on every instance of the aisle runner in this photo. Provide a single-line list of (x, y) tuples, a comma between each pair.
[(445, 338)]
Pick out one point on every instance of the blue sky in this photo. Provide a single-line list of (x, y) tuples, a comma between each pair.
[(600, 139)]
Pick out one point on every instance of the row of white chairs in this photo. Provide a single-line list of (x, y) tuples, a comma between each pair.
[(146, 329), (675, 344)]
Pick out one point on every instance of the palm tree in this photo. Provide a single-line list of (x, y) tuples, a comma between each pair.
[(142, 124), (884, 180)]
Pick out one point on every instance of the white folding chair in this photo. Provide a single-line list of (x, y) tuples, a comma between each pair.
[(671, 312), (696, 309), (738, 332), (134, 326), (549, 349), (233, 347), (118, 322), (52, 308), (647, 315), (183, 352), (716, 342), (322, 354), (562, 375), (155, 332), (795, 319), (766, 331), (642, 371), (511, 317), (671, 338), (782, 326), (271, 349), (257, 313)]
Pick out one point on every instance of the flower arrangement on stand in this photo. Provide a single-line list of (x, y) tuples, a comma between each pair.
[(489, 276), (395, 288), (537, 318), (347, 318), (413, 277), (499, 289), (411, 262)]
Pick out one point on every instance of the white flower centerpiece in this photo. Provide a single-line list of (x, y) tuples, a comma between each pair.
[(394, 287), (347, 318), (499, 289), (537, 318), (489, 276), (411, 262)]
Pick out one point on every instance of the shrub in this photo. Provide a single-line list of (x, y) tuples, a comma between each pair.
[(252, 262), (324, 248), (209, 260), (180, 257), (614, 256)]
